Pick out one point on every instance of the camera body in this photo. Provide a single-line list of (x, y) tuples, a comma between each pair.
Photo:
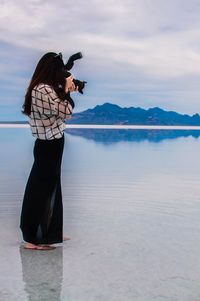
[(69, 65)]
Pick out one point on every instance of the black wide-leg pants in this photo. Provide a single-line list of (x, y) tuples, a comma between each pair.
[(41, 219)]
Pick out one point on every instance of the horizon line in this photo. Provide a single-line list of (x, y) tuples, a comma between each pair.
[(109, 126)]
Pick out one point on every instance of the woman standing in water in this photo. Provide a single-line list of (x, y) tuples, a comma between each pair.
[(46, 106)]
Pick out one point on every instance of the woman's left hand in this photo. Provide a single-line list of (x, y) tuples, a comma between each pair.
[(70, 86), (73, 88)]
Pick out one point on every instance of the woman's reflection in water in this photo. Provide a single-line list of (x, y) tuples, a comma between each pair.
[(42, 274)]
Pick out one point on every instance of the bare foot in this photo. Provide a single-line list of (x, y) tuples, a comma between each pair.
[(38, 247)]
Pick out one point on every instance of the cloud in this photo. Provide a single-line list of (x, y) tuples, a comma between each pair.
[(129, 45), (158, 37)]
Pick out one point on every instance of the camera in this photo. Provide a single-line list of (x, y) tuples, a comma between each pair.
[(68, 66)]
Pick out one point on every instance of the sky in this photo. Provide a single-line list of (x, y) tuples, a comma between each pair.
[(142, 53)]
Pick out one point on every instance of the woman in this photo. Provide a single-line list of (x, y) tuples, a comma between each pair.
[(47, 107)]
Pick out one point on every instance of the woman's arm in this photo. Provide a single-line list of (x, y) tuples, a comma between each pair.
[(48, 103)]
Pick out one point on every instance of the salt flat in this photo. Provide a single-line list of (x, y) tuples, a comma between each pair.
[(131, 209)]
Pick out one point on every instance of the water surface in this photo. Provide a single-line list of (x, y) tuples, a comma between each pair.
[(131, 207)]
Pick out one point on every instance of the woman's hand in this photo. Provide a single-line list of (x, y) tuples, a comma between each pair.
[(70, 87)]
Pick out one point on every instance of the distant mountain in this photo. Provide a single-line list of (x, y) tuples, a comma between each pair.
[(13, 122), (113, 114)]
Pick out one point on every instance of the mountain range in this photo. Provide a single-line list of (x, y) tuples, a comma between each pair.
[(113, 114), (108, 113)]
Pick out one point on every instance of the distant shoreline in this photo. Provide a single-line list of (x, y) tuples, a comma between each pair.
[(113, 126)]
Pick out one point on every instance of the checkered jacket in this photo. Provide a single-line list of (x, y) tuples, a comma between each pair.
[(48, 113)]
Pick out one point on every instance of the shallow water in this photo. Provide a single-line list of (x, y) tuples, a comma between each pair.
[(131, 207)]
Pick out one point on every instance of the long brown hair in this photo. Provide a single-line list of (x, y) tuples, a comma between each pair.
[(49, 70)]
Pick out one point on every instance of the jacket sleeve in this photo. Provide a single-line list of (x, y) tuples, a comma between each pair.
[(49, 104)]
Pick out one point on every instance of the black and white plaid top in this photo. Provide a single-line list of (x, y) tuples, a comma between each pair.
[(48, 113)]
